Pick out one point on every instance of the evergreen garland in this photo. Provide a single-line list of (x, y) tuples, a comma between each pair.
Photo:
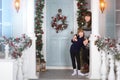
[(39, 5), (81, 5)]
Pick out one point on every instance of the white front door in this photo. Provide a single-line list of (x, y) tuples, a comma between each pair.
[(58, 44)]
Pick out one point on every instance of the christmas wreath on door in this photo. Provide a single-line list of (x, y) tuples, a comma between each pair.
[(59, 22)]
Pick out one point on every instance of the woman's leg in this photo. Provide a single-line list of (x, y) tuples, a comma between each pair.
[(84, 55), (88, 55), (86, 60), (78, 64)]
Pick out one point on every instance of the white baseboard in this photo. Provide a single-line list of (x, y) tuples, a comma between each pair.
[(56, 67)]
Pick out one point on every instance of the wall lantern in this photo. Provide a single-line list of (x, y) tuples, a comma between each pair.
[(43, 66), (17, 5), (102, 5)]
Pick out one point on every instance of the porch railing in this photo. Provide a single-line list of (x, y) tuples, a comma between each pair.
[(110, 67), (20, 65)]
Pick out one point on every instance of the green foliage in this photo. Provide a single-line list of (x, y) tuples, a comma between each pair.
[(81, 5), (39, 5), (117, 56)]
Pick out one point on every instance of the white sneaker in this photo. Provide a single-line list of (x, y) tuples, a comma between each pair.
[(81, 74), (74, 72), (86, 74)]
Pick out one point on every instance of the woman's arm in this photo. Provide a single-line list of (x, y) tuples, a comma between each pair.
[(85, 42)]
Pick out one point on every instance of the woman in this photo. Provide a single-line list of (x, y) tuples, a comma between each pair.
[(87, 26), (85, 52)]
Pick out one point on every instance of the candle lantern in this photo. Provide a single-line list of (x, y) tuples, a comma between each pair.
[(38, 64), (43, 66)]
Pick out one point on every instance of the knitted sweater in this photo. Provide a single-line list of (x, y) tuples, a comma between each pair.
[(76, 45)]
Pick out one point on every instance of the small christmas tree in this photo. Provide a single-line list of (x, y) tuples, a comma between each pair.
[(39, 5), (81, 5)]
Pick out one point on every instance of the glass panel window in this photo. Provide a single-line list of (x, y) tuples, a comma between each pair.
[(0, 16), (118, 4), (0, 30), (0, 4), (118, 31), (118, 17)]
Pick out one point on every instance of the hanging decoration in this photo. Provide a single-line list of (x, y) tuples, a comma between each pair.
[(17, 5), (39, 5), (81, 5), (59, 22)]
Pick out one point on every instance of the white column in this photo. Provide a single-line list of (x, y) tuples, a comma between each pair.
[(95, 16), (75, 16), (95, 60), (30, 32), (44, 30)]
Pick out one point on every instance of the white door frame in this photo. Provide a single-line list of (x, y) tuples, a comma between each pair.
[(44, 51), (93, 69)]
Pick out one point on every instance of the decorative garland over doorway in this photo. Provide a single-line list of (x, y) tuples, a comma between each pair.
[(39, 5)]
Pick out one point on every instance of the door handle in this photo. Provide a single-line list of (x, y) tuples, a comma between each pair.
[(71, 32)]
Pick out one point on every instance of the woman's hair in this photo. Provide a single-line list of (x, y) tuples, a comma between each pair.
[(88, 13)]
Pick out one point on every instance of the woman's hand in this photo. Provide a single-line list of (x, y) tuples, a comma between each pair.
[(85, 42)]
